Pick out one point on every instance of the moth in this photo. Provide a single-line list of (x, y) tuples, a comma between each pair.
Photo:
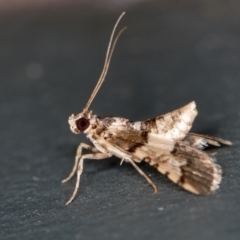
[(164, 142)]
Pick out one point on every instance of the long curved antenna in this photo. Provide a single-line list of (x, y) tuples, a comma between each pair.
[(107, 61), (104, 73)]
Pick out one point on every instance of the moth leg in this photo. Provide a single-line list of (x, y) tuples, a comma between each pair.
[(122, 160), (143, 174), (77, 157), (95, 156)]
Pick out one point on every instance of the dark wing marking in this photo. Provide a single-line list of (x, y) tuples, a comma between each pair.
[(127, 140)]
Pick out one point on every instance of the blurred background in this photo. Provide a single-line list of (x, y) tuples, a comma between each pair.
[(51, 56)]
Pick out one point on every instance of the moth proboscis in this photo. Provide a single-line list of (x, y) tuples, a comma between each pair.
[(164, 142)]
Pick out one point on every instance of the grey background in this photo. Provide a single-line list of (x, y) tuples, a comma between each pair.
[(171, 53)]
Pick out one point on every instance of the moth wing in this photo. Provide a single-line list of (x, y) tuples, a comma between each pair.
[(173, 125), (200, 141), (186, 166), (133, 141)]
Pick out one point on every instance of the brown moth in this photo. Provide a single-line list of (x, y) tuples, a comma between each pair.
[(164, 142)]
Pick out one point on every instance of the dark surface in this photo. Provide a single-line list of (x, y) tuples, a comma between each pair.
[(170, 54)]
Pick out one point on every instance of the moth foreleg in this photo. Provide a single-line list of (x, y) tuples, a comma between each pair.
[(95, 156), (143, 174), (77, 157)]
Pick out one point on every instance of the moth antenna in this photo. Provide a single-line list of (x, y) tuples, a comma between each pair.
[(109, 53), (104, 73)]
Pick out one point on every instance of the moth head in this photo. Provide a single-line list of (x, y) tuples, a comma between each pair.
[(80, 123)]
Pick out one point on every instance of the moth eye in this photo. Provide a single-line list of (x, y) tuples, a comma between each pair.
[(82, 124)]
